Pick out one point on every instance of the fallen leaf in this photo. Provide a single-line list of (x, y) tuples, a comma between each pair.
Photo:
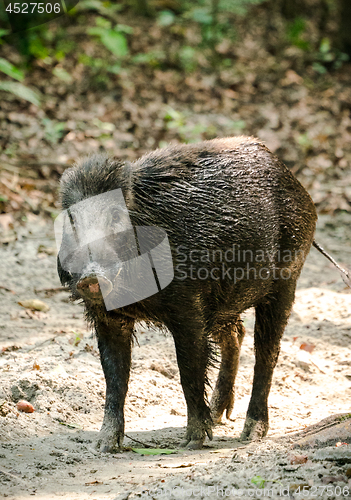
[(153, 451), (298, 459), (305, 346), (34, 304)]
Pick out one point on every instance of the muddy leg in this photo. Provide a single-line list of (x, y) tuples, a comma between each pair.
[(271, 319), (114, 341), (193, 349), (230, 338)]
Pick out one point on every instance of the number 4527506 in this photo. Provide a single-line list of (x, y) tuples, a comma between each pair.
[(31, 8)]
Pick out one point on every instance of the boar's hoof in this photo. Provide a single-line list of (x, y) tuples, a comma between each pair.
[(109, 442), (254, 430), (195, 444), (195, 436), (217, 414)]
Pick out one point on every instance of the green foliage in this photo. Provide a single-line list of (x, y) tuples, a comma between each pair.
[(328, 55), (105, 127), (38, 46), (62, 74), (3, 33), (153, 58), (63, 47), (77, 338), (166, 18), (20, 90), (212, 16), (188, 132), (194, 129), (305, 142), (53, 130), (187, 58), (345, 417), (112, 38), (296, 32), (11, 70), (107, 9), (100, 68), (259, 481)]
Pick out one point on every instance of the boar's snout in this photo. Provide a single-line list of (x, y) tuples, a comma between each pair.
[(92, 287)]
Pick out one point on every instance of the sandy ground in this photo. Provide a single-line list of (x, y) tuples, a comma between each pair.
[(50, 359)]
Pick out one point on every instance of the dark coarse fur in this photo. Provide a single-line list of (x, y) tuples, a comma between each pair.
[(206, 196)]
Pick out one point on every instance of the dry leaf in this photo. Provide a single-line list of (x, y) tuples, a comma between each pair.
[(305, 346), (34, 304)]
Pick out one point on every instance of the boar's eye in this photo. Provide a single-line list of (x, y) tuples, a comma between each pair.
[(115, 215), (73, 218)]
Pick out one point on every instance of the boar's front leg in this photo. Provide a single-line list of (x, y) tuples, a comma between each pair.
[(115, 345)]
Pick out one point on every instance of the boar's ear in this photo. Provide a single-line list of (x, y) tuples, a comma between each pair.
[(126, 175)]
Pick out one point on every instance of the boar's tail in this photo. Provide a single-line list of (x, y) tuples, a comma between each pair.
[(344, 273)]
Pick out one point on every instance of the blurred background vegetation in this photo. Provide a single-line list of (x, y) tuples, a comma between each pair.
[(128, 76)]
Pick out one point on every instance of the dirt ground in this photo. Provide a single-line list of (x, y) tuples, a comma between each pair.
[(50, 359)]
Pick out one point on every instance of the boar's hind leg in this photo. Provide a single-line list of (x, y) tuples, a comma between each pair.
[(115, 343), (193, 353), (271, 318), (229, 337)]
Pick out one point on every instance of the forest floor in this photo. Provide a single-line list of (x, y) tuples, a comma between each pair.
[(269, 88), (50, 359)]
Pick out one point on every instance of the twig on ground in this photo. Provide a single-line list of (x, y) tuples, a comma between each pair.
[(139, 442)]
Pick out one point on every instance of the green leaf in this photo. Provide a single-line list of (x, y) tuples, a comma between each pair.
[(115, 69), (21, 91), (319, 68), (324, 46), (96, 31), (10, 70), (166, 18), (71, 426), (62, 75), (123, 28), (105, 8), (238, 125), (4, 32), (153, 451), (101, 22), (201, 15), (115, 42), (259, 481)]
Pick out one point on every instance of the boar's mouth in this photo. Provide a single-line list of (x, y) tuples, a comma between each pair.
[(94, 287)]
